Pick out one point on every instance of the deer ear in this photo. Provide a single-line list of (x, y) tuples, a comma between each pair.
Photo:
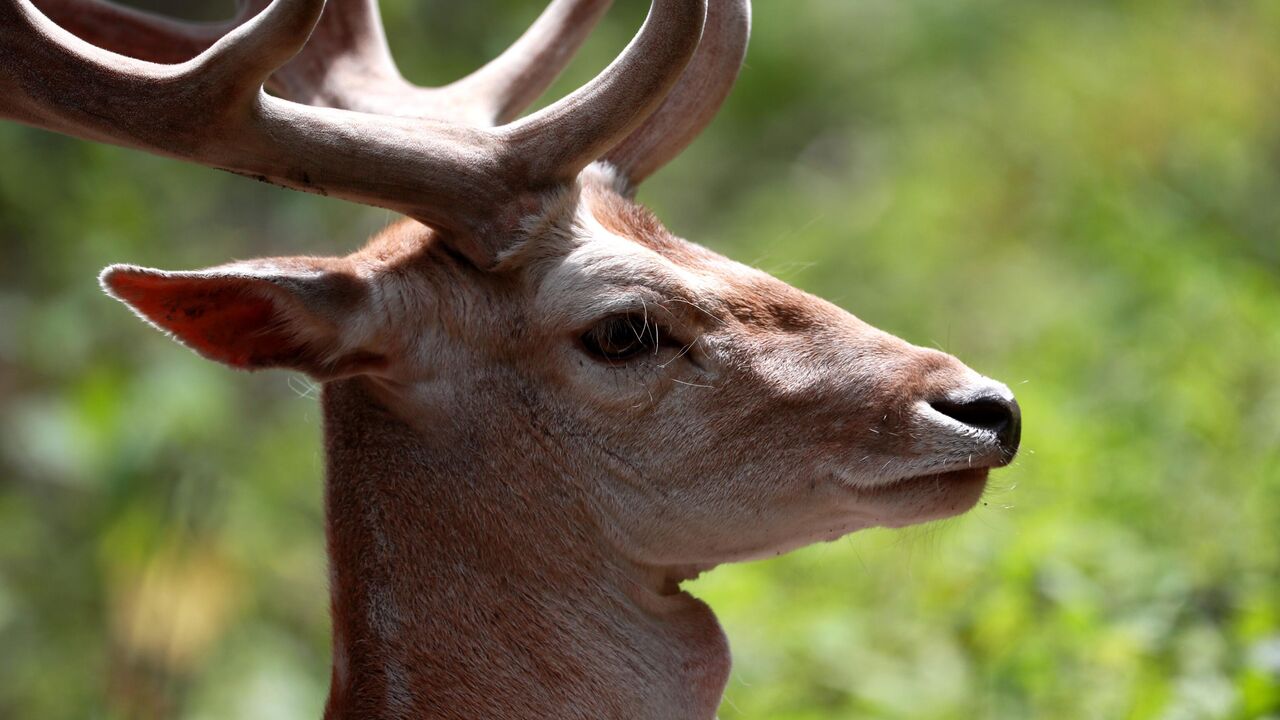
[(299, 313)]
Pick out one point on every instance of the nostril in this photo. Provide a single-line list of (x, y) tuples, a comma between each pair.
[(990, 415), (994, 414)]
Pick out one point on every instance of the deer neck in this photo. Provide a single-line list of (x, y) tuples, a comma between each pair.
[(470, 579)]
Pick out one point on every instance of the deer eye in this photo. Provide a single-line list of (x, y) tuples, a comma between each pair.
[(622, 337)]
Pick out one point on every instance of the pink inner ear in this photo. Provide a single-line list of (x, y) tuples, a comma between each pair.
[(222, 318)]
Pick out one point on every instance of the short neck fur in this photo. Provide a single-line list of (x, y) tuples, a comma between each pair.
[(471, 580)]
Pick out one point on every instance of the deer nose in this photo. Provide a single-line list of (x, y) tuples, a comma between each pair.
[(991, 411)]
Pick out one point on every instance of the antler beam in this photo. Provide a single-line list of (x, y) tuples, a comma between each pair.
[(211, 110)]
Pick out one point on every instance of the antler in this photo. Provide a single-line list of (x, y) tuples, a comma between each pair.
[(211, 110), (133, 32), (347, 63), (694, 101)]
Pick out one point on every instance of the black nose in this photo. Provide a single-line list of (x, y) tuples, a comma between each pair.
[(992, 413)]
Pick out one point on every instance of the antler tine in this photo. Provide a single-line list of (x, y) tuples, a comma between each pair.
[(347, 63), (696, 98), (44, 60), (211, 110), (561, 139), (134, 33), (244, 58), (509, 83)]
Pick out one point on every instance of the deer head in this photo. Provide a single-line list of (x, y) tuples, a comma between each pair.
[(531, 377)]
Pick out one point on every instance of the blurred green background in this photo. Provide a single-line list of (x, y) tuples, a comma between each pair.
[(1080, 198)]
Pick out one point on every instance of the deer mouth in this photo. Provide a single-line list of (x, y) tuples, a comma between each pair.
[(947, 478), (921, 498)]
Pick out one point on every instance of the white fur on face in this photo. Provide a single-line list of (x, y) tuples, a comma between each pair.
[(742, 440), (765, 420)]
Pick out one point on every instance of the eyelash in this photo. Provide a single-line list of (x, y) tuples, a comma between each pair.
[(623, 337)]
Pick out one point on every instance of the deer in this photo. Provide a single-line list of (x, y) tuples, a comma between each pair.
[(543, 411)]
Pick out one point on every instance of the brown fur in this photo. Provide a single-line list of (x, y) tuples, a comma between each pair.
[(510, 507), (492, 617), (508, 519)]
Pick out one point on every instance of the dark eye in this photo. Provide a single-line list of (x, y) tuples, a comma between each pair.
[(622, 337)]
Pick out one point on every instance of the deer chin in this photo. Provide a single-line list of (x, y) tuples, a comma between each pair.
[(922, 498)]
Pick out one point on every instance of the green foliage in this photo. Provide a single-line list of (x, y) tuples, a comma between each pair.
[(1078, 198)]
